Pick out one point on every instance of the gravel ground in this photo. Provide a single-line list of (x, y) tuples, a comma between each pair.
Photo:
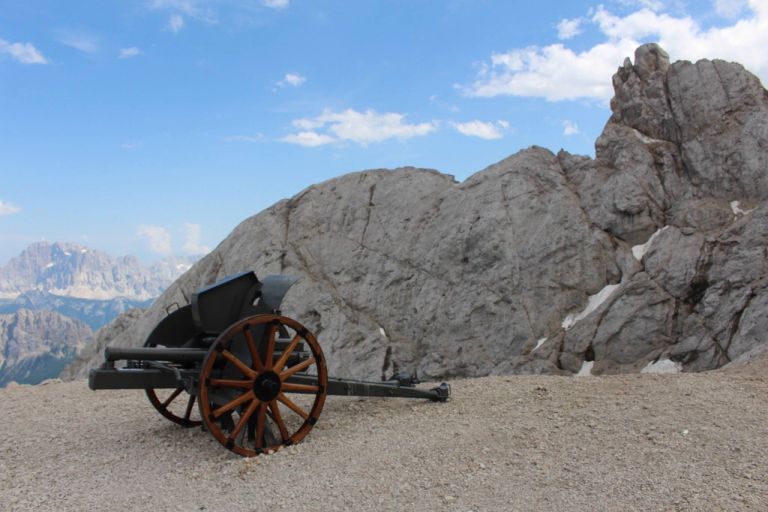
[(631, 442)]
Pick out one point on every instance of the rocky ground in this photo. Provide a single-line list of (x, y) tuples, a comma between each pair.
[(628, 442)]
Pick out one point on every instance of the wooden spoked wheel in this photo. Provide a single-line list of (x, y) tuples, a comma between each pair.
[(175, 404), (254, 399)]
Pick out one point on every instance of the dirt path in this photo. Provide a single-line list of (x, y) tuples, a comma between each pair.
[(679, 442)]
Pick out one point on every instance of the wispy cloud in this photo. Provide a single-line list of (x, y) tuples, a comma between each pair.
[(275, 4), (350, 125), (570, 128), (7, 208), (192, 236), (292, 79), (25, 53), (129, 146), (258, 137), (556, 72), (567, 29), (309, 139), (730, 8), (127, 53), (483, 130), (86, 43), (175, 23), (181, 9), (157, 238)]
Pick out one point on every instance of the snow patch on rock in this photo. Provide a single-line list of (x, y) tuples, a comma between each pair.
[(586, 369), (662, 366), (737, 210), (593, 303), (638, 251)]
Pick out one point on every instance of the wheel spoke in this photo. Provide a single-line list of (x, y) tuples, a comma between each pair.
[(297, 368), (172, 397), (292, 406), (168, 410), (231, 383), (300, 388), (234, 403), (229, 356), (279, 420), (190, 403), (260, 420), (244, 418), (280, 364), (271, 332), (252, 349)]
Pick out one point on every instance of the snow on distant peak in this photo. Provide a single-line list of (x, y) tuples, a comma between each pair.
[(538, 344), (593, 303), (638, 251), (67, 253), (586, 369), (50, 265), (662, 366), (183, 267), (83, 251)]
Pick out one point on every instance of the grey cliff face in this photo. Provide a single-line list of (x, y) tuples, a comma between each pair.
[(36, 345), (653, 252)]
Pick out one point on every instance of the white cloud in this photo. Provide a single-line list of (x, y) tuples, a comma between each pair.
[(8, 208), (192, 236), (488, 131), (292, 79), (86, 43), (352, 126), (175, 23), (570, 128), (275, 4), (566, 29), (25, 53), (556, 72), (127, 53), (158, 238), (131, 145)]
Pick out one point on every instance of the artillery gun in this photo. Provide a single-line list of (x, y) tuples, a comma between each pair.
[(258, 378)]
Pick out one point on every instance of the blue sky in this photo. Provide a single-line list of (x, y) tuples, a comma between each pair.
[(153, 127)]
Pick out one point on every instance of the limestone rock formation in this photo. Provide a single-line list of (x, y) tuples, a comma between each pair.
[(653, 252)]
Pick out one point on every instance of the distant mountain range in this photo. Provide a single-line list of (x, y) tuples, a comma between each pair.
[(70, 270), (54, 296)]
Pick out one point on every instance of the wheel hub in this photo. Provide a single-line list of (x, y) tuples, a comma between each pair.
[(267, 386)]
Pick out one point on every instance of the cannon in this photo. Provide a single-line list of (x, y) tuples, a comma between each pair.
[(258, 378)]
